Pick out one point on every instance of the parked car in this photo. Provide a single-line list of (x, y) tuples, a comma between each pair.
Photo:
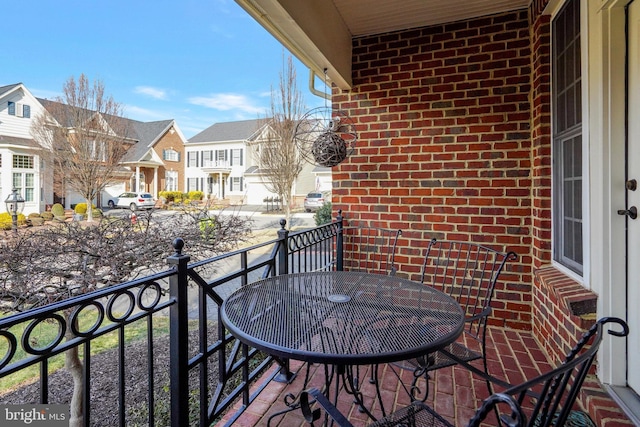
[(315, 200), (133, 201)]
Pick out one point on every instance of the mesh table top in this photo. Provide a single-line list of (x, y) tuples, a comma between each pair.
[(341, 317)]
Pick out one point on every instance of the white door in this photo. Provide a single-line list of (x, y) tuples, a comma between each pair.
[(633, 196)]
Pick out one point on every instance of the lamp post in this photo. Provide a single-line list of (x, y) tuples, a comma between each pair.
[(15, 204)]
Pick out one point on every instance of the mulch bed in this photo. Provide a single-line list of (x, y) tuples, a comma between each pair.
[(104, 390)]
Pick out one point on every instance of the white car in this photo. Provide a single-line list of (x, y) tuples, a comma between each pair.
[(133, 201)]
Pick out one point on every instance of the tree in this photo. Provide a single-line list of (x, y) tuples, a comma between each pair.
[(84, 136), (278, 157), (47, 264)]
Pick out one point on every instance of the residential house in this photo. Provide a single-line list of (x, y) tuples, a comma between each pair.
[(153, 163), (512, 123), (157, 159), (222, 162), (20, 164)]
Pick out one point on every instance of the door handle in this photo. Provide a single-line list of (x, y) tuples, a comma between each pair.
[(631, 185), (632, 212)]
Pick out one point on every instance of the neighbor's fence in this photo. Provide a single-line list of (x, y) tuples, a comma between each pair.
[(175, 311)]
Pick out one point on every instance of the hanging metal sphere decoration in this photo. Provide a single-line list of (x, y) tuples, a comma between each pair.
[(325, 137)]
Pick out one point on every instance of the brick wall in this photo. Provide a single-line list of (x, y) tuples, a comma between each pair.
[(444, 149), (171, 141)]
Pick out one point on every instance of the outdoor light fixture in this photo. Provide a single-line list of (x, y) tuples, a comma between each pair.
[(15, 204)]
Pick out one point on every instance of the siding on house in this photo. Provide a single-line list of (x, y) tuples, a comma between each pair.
[(15, 139)]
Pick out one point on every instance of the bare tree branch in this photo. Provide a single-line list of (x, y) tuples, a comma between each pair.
[(278, 158), (84, 136)]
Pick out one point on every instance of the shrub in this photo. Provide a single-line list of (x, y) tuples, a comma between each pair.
[(6, 221), (195, 195), (170, 196), (57, 210), (323, 215), (48, 216), (81, 208), (34, 215), (97, 213)]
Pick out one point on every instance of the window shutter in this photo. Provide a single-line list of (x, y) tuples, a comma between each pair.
[(241, 155), (241, 184), (164, 154), (231, 161)]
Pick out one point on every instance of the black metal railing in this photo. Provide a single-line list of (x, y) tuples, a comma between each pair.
[(177, 310)]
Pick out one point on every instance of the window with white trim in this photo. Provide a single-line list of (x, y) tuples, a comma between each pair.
[(192, 159), (20, 161), (171, 155), (236, 157), (23, 182), (171, 180), (192, 184), (567, 138), (236, 183)]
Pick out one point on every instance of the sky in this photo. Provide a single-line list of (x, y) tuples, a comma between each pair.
[(198, 62)]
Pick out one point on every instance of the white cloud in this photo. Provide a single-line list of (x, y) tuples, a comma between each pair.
[(227, 102), (151, 91), (143, 114)]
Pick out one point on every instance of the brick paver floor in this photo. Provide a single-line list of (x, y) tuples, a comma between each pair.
[(454, 392)]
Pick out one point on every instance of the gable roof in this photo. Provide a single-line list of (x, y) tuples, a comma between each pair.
[(146, 134), (8, 88), (228, 131), (143, 135)]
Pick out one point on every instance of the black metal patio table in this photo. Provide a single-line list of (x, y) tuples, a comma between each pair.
[(342, 319)]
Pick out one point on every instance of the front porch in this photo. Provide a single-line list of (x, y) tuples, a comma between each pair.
[(212, 378), (513, 355)]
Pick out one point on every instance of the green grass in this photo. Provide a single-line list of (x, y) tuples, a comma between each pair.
[(47, 331)]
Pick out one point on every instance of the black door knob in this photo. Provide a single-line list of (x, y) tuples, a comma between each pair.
[(632, 212)]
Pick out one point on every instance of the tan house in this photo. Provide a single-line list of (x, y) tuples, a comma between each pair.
[(508, 122), (157, 158)]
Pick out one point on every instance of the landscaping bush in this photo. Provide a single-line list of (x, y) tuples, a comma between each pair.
[(195, 195), (6, 222), (35, 218), (48, 216), (170, 196), (57, 210), (97, 213), (323, 215), (80, 209)]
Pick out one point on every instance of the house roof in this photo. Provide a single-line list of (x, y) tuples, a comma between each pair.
[(320, 34), (143, 135), (146, 133), (14, 140), (228, 131), (8, 88)]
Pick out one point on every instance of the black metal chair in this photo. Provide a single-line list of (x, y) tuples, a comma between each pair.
[(370, 249), (468, 272), (546, 400)]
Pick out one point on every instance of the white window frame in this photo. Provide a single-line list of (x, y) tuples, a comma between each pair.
[(171, 180)]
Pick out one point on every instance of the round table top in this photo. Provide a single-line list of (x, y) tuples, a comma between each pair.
[(341, 317)]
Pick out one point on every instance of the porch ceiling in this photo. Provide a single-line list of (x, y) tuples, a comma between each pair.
[(319, 32)]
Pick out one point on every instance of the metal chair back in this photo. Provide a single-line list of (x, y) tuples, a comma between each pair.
[(468, 272), (370, 249)]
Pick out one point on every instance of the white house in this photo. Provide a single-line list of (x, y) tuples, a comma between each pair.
[(221, 161), (20, 165)]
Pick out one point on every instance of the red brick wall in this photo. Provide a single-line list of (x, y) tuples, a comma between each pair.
[(445, 143)]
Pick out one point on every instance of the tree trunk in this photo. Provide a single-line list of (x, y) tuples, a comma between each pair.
[(89, 211), (73, 364)]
